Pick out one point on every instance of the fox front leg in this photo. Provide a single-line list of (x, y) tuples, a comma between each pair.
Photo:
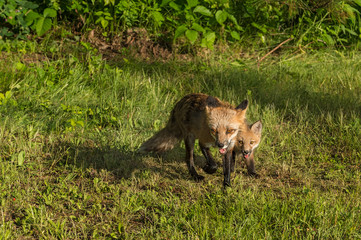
[(189, 144), (233, 160), (250, 165), (227, 162)]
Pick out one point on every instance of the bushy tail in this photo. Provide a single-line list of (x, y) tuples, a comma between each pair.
[(163, 140)]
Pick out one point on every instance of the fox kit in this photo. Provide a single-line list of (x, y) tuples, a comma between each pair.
[(247, 141), (199, 116)]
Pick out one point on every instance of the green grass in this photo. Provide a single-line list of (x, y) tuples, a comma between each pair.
[(71, 122)]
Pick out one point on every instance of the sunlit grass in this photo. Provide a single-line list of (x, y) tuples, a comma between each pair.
[(70, 126)]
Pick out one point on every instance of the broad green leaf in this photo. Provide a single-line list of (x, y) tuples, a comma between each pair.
[(179, 31), (43, 25), (221, 16), (192, 3), (81, 123), (234, 20), (106, 2), (8, 94), (108, 18), (192, 35), (358, 2), (328, 39), (189, 16), (210, 37), (350, 12), (203, 10), (198, 27), (164, 3), (20, 66), (259, 27), (174, 6), (30, 17), (238, 63), (351, 31), (99, 13), (235, 35), (208, 40), (5, 32), (158, 17), (48, 12), (104, 22)]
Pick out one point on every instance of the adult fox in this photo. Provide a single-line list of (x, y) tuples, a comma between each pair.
[(247, 141), (202, 117)]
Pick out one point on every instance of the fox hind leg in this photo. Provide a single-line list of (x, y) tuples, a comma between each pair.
[(211, 165), (189, 144)]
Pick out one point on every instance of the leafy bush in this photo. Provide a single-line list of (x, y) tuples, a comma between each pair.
[(18, 18), (203, 20), (324, 22), (198, 22)]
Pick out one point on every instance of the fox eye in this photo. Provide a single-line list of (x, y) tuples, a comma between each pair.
[(252, 142), (230, 131), (240, 141)]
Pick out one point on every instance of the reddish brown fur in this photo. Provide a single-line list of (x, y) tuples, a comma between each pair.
[(193, 117), (247, 141)]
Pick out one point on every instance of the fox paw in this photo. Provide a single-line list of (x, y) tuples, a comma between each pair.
[(198, 178), (210, 169), (254, 175), (226, 184)]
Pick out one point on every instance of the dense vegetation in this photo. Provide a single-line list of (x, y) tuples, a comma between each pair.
[(183, 23)]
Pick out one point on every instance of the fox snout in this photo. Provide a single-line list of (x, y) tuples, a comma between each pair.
[(246, 153), (222, 147), (219, 144)]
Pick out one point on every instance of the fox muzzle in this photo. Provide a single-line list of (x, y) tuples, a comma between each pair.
[(246, 153), (219, 144)]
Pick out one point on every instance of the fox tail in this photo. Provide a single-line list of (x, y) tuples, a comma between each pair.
[(163, 140)]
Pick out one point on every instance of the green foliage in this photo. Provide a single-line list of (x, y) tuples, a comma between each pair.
[(41, 23), (193, 22), (18, 17), (320, 23), (203, 20)]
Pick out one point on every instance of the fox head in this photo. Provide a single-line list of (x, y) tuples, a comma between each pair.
[(224, 122), (249, 138)]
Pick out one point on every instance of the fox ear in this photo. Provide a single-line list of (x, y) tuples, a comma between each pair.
[(243, 105), (212, 102), (257, 127)]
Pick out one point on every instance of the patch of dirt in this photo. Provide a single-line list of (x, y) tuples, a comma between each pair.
[(135, 42), (139, 44)]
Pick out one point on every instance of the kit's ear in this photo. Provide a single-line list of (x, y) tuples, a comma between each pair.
[(256, 127)]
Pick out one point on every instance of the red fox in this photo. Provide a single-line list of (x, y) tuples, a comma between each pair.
[(247, 141), (202, 117)]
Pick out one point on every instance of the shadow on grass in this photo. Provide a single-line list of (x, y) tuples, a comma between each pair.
[(124, 164), (281, 87), (286, 91)]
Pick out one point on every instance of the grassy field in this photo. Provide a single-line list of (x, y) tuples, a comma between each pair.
[(71, 122)]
